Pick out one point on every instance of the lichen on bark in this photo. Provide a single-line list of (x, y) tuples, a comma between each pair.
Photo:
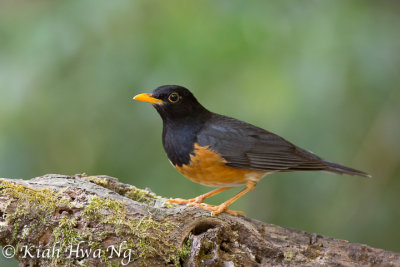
[(97, 221)]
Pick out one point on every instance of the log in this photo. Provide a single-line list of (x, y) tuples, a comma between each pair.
[(98, 221)]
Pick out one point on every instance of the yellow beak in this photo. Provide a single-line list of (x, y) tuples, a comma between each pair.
[(148, 98)]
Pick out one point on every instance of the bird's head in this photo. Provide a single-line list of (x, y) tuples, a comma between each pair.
[(173, 102)]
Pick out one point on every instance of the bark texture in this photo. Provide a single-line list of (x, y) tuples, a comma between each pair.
[(97, 221)]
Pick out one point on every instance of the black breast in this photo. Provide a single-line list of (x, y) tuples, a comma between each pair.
[(178, 140)]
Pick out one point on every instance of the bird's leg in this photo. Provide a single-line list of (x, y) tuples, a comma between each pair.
[(199, 199), (223, 207)]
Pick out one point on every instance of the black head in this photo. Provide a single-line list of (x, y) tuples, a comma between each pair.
[(173, 102)]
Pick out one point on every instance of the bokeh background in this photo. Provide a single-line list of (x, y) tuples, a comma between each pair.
[(322, 74)]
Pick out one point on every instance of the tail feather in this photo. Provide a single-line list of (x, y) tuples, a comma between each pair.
[(340, 169)]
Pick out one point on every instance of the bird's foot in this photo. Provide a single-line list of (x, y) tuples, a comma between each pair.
[(188, 202), (218, 209), (198, 202)]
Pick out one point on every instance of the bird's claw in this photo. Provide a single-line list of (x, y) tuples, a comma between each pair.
[(218, 209), (198, 202), (188, 202)]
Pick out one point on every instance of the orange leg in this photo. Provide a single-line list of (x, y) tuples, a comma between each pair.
[(223, 207), (199, 199)]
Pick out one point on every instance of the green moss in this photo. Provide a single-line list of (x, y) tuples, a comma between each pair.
[(34, 215), (41, 202), (96, 245), (313, 251), (206, 247), (288, 256), (104, 210), (184, 252), (131, 192), (168, 205), (65, 233), (147, 236), (33, 211), (140, 195), (99, 181), (36, 206), (149, 241)]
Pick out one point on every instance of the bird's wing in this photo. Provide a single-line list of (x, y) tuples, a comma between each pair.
[(246, 146)]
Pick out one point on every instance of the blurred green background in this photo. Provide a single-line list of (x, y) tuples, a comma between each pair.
[(322, 74)]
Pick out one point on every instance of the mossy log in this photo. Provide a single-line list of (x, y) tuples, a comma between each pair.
[(97, 221)]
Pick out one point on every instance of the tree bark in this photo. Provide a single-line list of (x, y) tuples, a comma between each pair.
[(97, 221)]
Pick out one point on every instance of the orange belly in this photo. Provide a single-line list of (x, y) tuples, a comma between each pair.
[(207, 167)]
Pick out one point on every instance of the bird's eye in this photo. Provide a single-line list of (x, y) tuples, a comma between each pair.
[(173, 98)]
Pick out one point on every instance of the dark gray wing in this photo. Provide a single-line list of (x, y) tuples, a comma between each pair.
[(246, 146)]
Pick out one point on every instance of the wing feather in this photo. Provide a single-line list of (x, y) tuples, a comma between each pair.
[(244, 145)]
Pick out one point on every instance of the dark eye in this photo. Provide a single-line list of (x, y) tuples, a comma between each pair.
[(173, 98)]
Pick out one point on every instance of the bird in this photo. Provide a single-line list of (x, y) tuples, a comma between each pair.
[(219, 151)]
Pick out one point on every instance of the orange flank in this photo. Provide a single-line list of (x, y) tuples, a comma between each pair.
[(207, 167)]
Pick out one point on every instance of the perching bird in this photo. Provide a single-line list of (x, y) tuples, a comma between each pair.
[(219, 151)]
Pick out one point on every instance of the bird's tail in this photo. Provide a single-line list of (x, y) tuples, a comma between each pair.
[(340, 169)]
